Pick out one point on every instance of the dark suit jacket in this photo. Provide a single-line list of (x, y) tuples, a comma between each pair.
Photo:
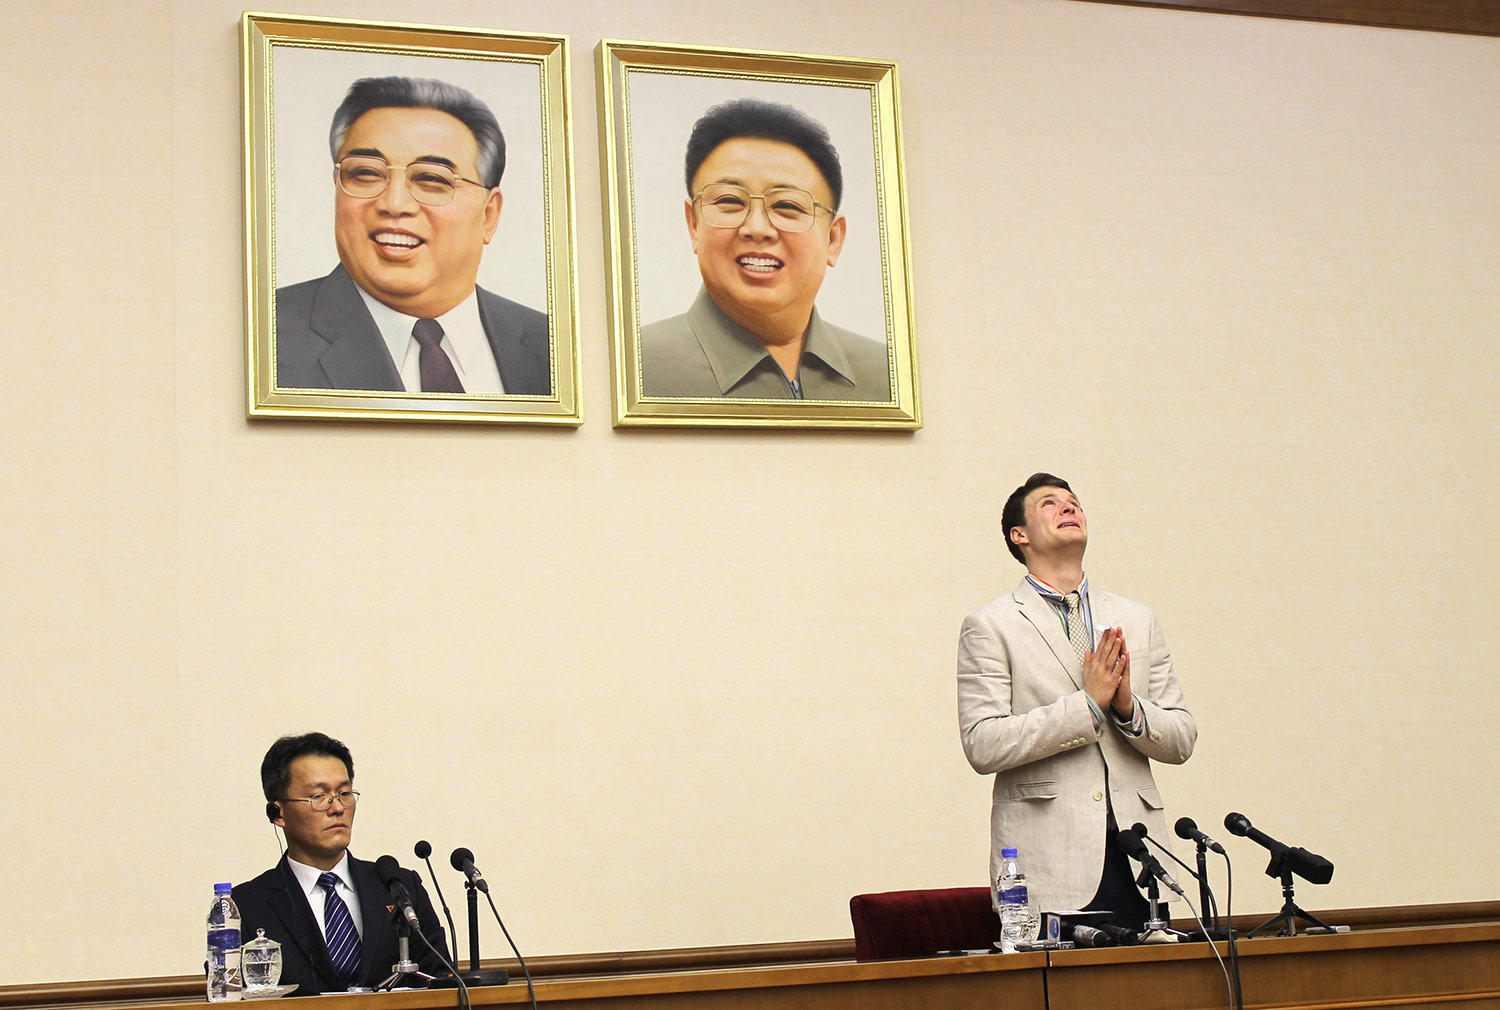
[(326, 339), (274, 901)]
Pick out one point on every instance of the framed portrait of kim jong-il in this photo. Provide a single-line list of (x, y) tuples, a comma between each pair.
[(408, 223), (760, 268)]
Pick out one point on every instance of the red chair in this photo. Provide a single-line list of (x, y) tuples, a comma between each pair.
[(898, 925)]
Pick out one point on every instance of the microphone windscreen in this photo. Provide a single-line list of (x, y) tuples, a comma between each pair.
[(1185, 827), (459, 857), (422, 849), (1237, 824), (1310, 866), (388, 870), (1140, 829), (1130, 843)]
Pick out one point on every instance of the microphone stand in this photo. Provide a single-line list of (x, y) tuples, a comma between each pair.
[(1157, 929), (1214, 928), (475, 975), (1289, 913), (404, 965), (1205, 896)]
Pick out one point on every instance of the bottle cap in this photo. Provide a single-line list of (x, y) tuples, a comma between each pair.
[(1007, 853), (223, 888)]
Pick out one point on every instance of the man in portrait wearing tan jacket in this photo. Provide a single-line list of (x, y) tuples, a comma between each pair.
[(1066, 694)]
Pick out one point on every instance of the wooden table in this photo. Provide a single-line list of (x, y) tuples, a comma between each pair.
[(1427, 967)]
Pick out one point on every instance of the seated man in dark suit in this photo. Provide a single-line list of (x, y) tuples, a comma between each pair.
[(328, 910), (417, 166)]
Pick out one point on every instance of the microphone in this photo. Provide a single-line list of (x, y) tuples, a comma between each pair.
[(463, 861), (1124, 937), (389, 872), (1141, 830), (1130, 843), (1088, 936), (422, 850), (1187, 830), (1310, 866)]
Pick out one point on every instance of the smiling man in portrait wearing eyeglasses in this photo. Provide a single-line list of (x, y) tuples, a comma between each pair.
[(416, 187), (328, 910), (764, 186)]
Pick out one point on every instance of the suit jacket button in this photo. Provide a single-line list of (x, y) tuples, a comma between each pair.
[(1156, 735), (1098, 795)]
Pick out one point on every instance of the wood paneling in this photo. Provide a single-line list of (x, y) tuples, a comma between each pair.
[(1395, 967), (1472, 17), (1413, 967)]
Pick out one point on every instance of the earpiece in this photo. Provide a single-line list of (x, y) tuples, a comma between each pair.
[(273, 811)]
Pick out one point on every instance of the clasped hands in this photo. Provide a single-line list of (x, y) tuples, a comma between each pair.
[(1106, 674)]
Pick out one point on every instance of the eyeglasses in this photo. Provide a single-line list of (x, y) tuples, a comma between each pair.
[(428, 182), (322, 801), (725, 205)]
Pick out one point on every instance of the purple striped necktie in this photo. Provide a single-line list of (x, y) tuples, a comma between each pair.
[(339, 931)]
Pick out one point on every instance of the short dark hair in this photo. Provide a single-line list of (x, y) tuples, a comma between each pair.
[(276, 769), (424, 93), (1014, 513), (750, 117)]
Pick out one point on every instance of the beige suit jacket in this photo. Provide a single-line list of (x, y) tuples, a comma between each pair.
[(1024, 718)]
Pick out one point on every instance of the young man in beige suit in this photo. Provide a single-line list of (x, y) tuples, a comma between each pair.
[(1066, 695)]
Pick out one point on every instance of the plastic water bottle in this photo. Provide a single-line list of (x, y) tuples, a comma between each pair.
[(1017, 924), (223, 946)]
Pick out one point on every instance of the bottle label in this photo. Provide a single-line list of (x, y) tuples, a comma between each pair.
[(223, 939), (1015, 894)]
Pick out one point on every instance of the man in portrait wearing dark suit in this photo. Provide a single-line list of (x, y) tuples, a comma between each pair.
[(328, 910), (417, 166)]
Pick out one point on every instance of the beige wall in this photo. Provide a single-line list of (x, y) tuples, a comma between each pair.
[(1236, 278)]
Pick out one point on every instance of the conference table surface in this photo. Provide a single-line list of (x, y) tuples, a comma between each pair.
[(1453, 966)]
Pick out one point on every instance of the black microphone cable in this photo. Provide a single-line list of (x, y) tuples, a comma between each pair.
[(530, 989), (463, 861), (1213, 904), (1188, 831), (385, 868), (1229, 983), (1234, 944), (463, 990), (1140, 829)]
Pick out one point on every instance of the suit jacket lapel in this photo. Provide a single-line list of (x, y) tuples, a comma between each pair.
[(288, 901), (356, 357), (1043, 618), (375, 915), (519, 368)]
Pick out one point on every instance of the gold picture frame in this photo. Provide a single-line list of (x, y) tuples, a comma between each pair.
[(313, 344), (691, 370)]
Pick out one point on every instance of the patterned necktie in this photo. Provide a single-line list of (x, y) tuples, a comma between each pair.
[(1078, 635), (338, 928), (438, 375)]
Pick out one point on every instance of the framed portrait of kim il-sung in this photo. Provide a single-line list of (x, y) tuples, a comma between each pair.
[(760, 270), (408, 223)]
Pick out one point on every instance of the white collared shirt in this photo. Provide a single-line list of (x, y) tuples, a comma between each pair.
[(464, 342), (308, 876)]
